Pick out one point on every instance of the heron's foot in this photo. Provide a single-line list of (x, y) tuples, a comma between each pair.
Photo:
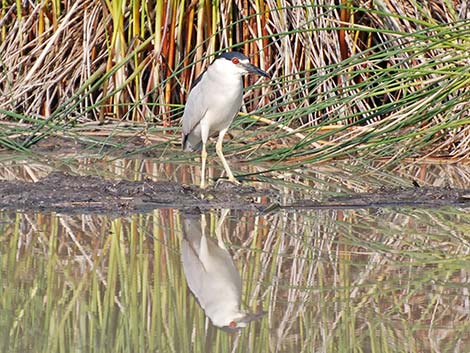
[(235, 181), (230, 180), (203, 190)]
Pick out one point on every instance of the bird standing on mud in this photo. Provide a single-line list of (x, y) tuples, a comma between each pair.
[(214, 100)]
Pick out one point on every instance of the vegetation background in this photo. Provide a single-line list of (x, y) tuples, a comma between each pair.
[(377, 80), (380, 79)]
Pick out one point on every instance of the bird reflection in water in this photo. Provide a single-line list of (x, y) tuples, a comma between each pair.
[(211, 274)]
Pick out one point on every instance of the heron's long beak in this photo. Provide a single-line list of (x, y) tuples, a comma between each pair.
[(253, 316), (255, 70)]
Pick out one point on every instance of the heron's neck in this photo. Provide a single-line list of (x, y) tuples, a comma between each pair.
[(225, 79)]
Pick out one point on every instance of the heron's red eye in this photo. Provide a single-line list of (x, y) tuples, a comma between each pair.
[(233, 324), (235, 61)]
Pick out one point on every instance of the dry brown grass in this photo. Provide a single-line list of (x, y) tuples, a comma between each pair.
[(86, 60)]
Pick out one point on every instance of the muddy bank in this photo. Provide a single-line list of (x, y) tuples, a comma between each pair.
[(65, 193), (391, 197)]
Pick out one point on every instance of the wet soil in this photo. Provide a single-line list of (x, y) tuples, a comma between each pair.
[(392, 197), (65, 193)]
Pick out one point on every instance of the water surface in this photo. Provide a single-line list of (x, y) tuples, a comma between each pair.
[(329, 280)]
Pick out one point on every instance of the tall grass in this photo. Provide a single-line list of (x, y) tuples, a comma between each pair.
[(378, 77)]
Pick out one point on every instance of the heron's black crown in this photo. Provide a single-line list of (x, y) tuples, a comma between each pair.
[(232, 54)]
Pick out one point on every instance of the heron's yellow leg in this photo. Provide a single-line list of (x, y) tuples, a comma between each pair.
[(203, 166), (218, 149)]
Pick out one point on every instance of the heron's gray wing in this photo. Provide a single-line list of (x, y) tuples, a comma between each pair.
[(198, 79), (195, 107)]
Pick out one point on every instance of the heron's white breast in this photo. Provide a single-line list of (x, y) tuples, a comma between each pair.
[(223, 98)]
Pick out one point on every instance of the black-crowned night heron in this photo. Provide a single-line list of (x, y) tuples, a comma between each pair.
[(214, 100), (212, 276)]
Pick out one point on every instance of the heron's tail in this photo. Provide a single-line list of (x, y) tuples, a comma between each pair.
[(190, 143)]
